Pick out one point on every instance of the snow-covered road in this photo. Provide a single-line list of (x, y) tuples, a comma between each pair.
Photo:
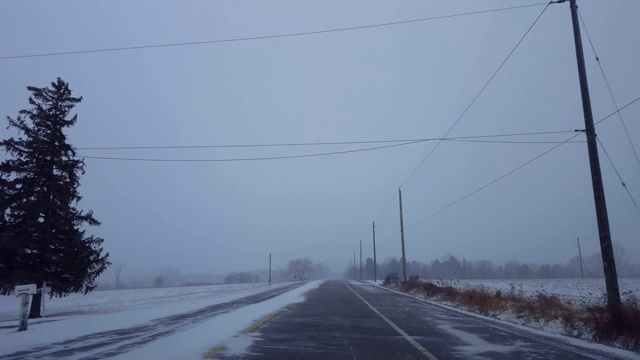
[(187, 329), (106, 301)]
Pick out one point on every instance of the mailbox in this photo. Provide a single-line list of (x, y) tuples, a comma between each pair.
[(29, 289)]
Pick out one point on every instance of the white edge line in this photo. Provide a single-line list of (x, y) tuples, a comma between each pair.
[(396, 327), (576, 345)]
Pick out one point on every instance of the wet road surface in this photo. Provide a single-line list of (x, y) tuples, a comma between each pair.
[(349, 320)]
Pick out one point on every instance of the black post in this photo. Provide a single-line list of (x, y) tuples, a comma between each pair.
[(361, 259), (354, 265), (350, 268), (404, 259), (269, 269), (606, 248), (580, 256), (375, 265)]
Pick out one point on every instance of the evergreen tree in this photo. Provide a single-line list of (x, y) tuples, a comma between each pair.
[(43, 236)]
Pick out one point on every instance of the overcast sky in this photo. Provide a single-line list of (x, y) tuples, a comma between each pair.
[(395, 82)]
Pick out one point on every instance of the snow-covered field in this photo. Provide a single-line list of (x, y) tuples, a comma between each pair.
[(152, 312), (575, 291), (127, 299)]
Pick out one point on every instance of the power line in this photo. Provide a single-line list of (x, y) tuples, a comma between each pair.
[(361, 142), (516, 169), (479, 141), (513, 142), (624, 185), (294, 156), (386, 206), (248, 159), (618, 111), (492, 182), (469, 106), (606, 81), (479, 93), (265, 37), (511, 172), (364, 142)]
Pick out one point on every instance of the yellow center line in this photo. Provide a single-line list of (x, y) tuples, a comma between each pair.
[(262, 321), (214, 352)]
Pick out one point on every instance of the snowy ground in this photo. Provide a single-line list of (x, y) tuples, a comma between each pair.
[(185, 319), (575, 291), (127, 299), (223, 330)]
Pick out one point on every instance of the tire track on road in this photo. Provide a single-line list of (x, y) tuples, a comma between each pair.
[(107, 344)]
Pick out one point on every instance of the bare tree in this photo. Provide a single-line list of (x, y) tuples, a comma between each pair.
[(623, 258), (300, 267), (117, 273)]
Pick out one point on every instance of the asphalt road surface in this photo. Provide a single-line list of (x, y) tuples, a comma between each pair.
[(106, 344), (349, 320)]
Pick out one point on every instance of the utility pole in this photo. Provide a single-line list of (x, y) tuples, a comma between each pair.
[(375, 275), (404, 259), (606, 248), (269, 269), (580, 256), (360, 259), (354, 265)]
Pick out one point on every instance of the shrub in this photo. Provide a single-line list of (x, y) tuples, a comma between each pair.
[(391, 278), (626, 330), (481, 301)]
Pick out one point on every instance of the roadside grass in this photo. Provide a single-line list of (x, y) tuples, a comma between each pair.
[(625, 331), (587, 321)]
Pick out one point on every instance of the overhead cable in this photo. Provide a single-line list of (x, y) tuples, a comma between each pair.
[(265, 37), (624, 185), (248, 159), (606, 81), (361, 142), (477, 95), (618, 110), (514, 170), (492, 182)]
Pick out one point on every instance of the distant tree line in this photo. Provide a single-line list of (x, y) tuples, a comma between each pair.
[(452, 267), (297, 269)]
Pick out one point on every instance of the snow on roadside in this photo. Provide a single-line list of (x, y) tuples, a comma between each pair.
[(554, 326), (125, 299), (574, 291), (220, 330), (55, 329), (551, 330)]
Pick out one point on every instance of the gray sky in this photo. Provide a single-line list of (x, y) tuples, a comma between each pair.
[(396, 82)]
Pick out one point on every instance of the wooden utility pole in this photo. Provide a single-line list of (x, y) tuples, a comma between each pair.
[(375, 275), (606, 248), (404, 259), (360, 259), (354, 265), (269, 269), (580, 256)]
